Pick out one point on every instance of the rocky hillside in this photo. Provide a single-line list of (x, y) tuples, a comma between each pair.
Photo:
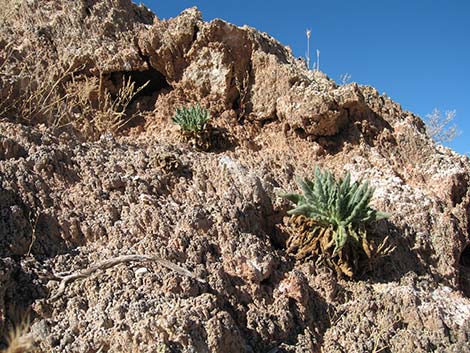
[(92, 169)]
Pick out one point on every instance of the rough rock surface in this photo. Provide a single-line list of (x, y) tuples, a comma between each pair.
[(67, 203)]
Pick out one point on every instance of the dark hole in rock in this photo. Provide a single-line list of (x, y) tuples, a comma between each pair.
[(236, 103), (464, 271), (195, 33), (269, 120), (459, 188), (154, 81), (465, 256), (300, 132), (240, 102)]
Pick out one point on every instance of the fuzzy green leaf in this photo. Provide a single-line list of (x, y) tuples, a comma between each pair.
[(191, 119), (295, 198)]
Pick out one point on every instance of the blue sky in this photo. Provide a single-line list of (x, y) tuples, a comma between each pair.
[(416, 51)]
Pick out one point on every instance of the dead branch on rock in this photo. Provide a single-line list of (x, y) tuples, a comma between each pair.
[(67, 277)]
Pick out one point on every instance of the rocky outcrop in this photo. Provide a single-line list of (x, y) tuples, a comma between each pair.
[(68, 201)]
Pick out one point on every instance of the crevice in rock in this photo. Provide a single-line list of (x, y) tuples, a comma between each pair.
[(148, 85), (195, 33), (242, 99), (465, 257), (272, 119), (464, 270), (459, 189), (153, 80)]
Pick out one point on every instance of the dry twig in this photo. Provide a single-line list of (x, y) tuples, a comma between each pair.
[(66, 278)]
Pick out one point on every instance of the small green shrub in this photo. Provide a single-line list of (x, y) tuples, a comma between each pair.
[(192, 119), (334, 214), (195, 127)]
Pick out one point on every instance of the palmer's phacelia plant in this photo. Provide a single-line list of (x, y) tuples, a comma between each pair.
[(329, 221), (192, 119), (194, 124)]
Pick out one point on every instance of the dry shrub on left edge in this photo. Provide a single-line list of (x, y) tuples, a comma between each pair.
[(31, 75), (56, 95), (32, 90), (95, 109), (19, 340), (46, 66)]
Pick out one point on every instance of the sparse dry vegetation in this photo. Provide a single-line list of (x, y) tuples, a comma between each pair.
[(41, 86), (440, 127), (93, 108), (19, 340)]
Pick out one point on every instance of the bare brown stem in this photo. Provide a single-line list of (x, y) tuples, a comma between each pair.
[(66, 279)]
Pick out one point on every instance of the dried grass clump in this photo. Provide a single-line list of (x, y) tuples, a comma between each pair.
[(57, 96), (94, 109), (19, 340), (50, 69), (33, 91)]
